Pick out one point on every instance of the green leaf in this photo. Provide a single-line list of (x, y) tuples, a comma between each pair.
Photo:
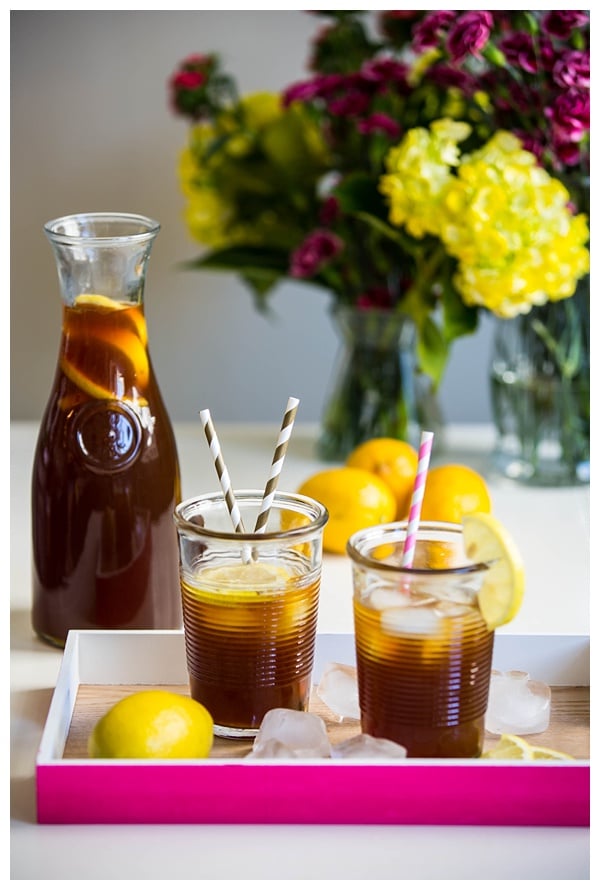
[(432, 350), (244, 259), (260, 286), (260, 268), (388, 231), (458, 318), (359, 192)]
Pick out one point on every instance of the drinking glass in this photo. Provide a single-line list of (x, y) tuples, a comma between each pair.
[(250, 605), (423, 650)]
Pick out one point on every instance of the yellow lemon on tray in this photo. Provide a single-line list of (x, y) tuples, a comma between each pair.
[(513, 747), (153, 724), (453, 491), (355, 499), (394, 461), (501, 594)]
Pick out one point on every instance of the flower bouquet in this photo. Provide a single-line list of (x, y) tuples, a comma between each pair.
[(398, 177)]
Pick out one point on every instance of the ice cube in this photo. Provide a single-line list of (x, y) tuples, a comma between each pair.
[(385, 598), (517, 704), (338, 689), (302, 734), (273, 749), (449, 609), (410, 621), (367, 747)]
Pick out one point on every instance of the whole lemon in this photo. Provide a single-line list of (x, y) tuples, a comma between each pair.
[(453, 491), (394, 461), (153, 723), (355, 499)]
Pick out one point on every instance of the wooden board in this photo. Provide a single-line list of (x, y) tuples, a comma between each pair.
[(569, 729)]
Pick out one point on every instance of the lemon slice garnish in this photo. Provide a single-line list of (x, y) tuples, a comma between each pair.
[(246, 577), (97, 300), (136, 317), (486, 540), (513, 747), (129, 353)]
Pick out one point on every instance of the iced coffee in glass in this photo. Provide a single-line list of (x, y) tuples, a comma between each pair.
[(423, 649), (250, 605)]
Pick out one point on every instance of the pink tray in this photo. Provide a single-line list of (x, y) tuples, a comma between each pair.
[(445, 792)]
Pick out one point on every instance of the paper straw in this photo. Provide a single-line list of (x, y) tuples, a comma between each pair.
[(416, 500), (222, 473), (277, 463)]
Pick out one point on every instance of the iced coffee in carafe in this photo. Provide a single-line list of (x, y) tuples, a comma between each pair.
[(105, 477)]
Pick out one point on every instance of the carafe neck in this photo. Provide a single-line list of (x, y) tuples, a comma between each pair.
[(103, 254)]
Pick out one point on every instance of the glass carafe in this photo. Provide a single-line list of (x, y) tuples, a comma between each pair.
[(105, 477)]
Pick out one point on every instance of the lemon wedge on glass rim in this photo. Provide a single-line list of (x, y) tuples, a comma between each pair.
[(501, 594)]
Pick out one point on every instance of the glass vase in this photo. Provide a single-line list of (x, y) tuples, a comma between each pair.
[(377, 390), (105, 478), (540, 386)]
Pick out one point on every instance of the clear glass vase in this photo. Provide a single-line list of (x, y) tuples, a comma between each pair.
[(540, 387), (377, 389)]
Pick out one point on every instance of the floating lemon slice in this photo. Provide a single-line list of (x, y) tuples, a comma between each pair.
[(83, 382), (486, 540), (97, 300), (513, 747), (128, 353), (250, 578), (135, 316), (239, 582)]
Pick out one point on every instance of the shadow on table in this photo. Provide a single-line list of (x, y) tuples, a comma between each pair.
[(22, 635), (29, 710)]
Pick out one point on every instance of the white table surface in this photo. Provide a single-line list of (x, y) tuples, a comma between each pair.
[(551, 527)]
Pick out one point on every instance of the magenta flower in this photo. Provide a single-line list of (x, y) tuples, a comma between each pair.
[(569, 154), (376, 297), (531, 142), (427, 32), (469, 34), (306, 90), (318, 249), (562, 23), (188, 80), (329, 211), (570, 116), (384, 71), (521, 52), (572, 69), (351, 103), (380, 123), (446, 76)]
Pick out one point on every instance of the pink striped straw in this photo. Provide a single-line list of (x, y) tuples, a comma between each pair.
[(416, 500)]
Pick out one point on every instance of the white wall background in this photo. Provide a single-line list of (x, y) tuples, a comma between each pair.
[(91, 130)]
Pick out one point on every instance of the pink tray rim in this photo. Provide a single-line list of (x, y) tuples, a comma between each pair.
[(544, 794)]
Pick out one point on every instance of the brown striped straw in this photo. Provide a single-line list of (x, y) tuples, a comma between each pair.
[(277, 464), (222, 472)]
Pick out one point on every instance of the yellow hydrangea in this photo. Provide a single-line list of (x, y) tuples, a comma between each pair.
[(503, 217), (419, 172)]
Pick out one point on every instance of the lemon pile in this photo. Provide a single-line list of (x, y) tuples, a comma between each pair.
[(375, 487)]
